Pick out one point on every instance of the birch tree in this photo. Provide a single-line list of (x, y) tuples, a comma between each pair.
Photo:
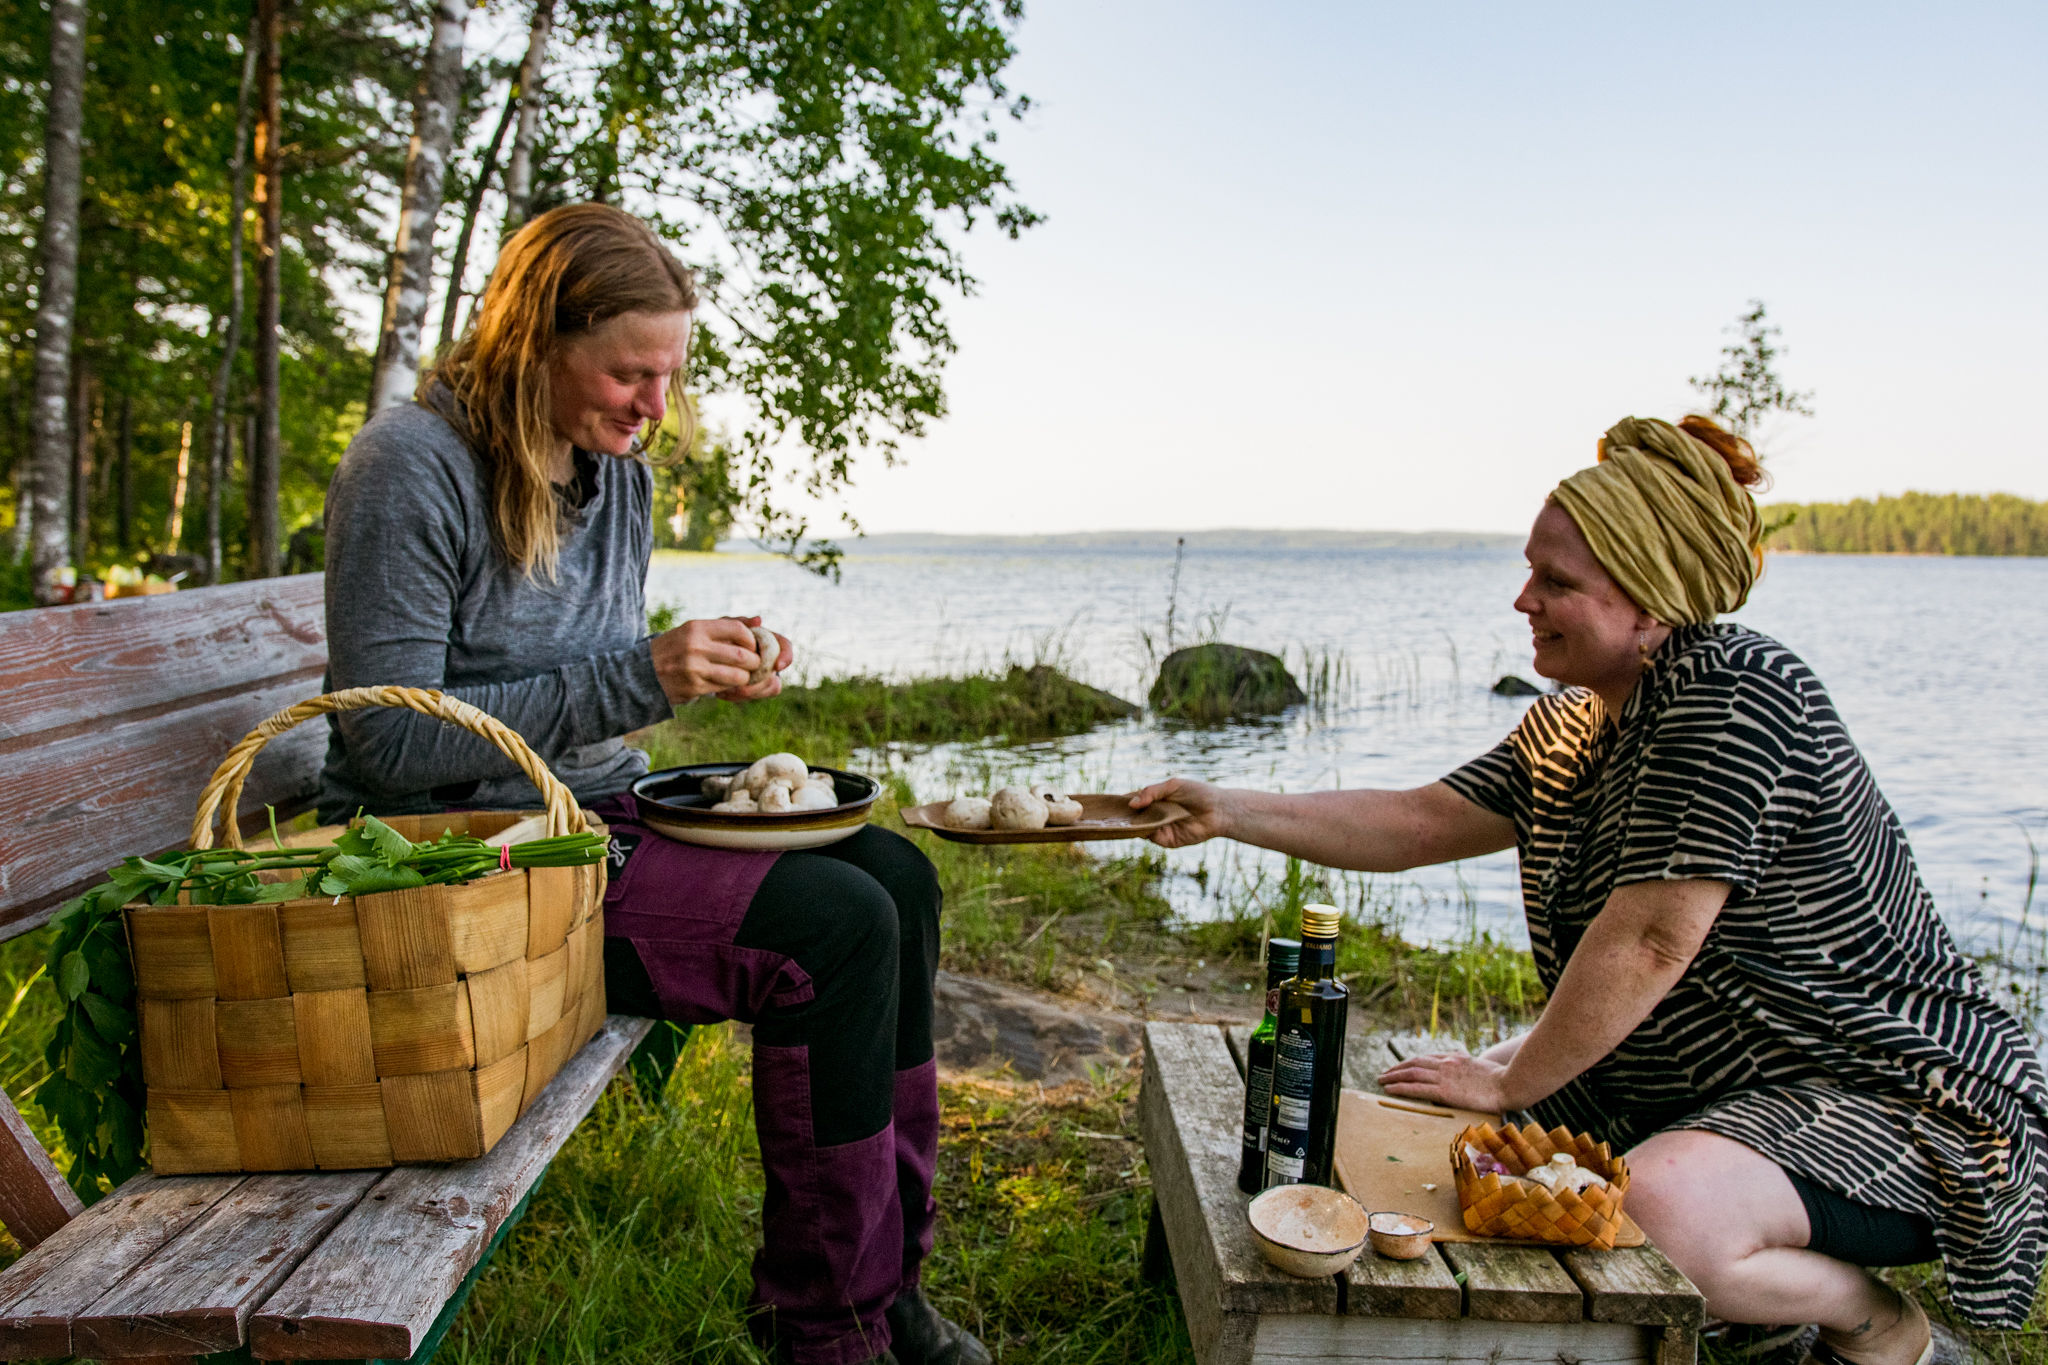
[(532, 98), (57, 299), (395, 372)]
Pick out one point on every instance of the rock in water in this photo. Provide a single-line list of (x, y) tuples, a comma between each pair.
[(1216, 682), (1512, 686)]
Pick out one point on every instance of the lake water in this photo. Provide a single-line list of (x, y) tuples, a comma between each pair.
[(1939, 665)]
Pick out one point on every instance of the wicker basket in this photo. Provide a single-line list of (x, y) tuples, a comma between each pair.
[(1495, 1207), (350, 1032)]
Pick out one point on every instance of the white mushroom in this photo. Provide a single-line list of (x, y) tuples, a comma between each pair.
[(716, 786), (969, 812), (811, 796), (1016, 808), (770, 649), (739, 803), (788, 767), (822, 782), (777, 798), (1059, 810)]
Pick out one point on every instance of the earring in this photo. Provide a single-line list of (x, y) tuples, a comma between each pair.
[(1643, 648)]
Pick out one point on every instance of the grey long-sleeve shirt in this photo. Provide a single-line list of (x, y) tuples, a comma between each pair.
[(418, 594)]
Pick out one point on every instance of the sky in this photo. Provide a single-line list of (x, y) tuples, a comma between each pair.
[(1377, 266)]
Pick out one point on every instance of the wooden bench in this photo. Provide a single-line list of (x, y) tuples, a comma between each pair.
[(1463, 1302), (114, 714)]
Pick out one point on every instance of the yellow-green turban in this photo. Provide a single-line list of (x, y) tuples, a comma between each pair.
[(1668, 521)]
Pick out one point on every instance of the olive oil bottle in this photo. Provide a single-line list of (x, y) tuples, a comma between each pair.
[(1308, 1060), (1283, 961)]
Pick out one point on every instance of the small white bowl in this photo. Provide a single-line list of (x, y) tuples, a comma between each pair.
[(1308, 1230), (1401, 1236)]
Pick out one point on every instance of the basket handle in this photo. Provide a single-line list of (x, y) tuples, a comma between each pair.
[(223, 791)]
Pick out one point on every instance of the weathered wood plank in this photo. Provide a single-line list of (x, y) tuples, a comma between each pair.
[(196, 1294), (34, 1200), (1421, 1288), (43, 1291), (1365, 1057), (1190, 1113), (373, 1288), (1514, 1284), (1442, 1341), (86, 801), (80, 665), (1635, 1284)]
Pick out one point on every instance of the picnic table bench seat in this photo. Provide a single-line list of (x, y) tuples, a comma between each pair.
[(114, 714), (1464, 1301)]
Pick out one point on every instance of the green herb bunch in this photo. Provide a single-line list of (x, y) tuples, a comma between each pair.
[(94, 1092)]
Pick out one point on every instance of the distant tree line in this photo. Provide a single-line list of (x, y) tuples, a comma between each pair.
[(195, 196), (1914, 524)]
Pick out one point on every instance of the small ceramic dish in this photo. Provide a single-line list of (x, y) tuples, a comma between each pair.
[(672, 802), (1308, 1230), (1400, 1236), (1104, 815)]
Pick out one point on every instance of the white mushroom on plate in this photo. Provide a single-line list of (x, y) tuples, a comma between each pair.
[(770, 649), (1014, 808), (792, 771), (811, 796), (739, 803), (1059, 810), (775, 797), (969, 812)]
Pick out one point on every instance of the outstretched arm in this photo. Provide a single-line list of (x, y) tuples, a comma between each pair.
[(1368, 831), (1634, 951)]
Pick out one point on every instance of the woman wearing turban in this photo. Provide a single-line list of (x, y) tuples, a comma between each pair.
[(1749, 988)]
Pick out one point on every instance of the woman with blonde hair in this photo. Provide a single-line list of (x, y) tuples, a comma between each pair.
[(1749, 988), (491, 539)]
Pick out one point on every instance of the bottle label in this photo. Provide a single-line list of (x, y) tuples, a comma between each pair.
[(1258, 1101), (1294, 1057)]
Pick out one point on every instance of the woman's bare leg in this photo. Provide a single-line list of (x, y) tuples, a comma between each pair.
[(1727, 1216)]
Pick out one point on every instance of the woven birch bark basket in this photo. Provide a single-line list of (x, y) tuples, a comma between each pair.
[(363, 1031), (1512, 1208)]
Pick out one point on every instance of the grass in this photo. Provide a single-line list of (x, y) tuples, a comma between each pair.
[(826, 722)]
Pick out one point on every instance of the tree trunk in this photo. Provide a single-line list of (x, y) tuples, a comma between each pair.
[(231, 328), (459, 262), (124, 495), (519, 170), (265, 457), (84, 429), (396, 370), (57, 298)]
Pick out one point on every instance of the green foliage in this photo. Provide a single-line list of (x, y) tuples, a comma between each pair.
[(695, 497), (1916, 524), (828, 721), (1747, 389), (159, 126), (809, 159)]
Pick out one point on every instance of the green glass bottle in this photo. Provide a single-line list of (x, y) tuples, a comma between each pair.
[(1283, 960), (1308, 1060)]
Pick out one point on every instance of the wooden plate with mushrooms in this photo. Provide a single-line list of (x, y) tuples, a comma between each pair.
[(1103, 815)]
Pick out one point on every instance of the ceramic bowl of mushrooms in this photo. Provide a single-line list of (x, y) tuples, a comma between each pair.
[(777, 801)]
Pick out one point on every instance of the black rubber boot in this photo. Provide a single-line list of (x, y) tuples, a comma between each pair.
[(921, 1337)]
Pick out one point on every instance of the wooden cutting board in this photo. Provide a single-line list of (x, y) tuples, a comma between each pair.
[(1389, 1149)]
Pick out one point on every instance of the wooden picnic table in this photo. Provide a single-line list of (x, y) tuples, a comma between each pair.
[(1465, 1301)]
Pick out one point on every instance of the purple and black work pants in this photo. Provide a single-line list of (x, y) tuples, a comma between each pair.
[(829, 954)]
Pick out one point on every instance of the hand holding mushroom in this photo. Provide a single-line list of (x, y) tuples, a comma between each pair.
[(731, 657)]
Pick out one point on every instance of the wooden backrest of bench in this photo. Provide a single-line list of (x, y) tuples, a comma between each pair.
[(113, 715)]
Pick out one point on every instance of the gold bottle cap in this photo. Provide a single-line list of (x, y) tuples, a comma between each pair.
[(1319, 921)]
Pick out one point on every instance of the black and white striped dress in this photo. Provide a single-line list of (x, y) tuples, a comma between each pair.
[(1829, 1020)]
